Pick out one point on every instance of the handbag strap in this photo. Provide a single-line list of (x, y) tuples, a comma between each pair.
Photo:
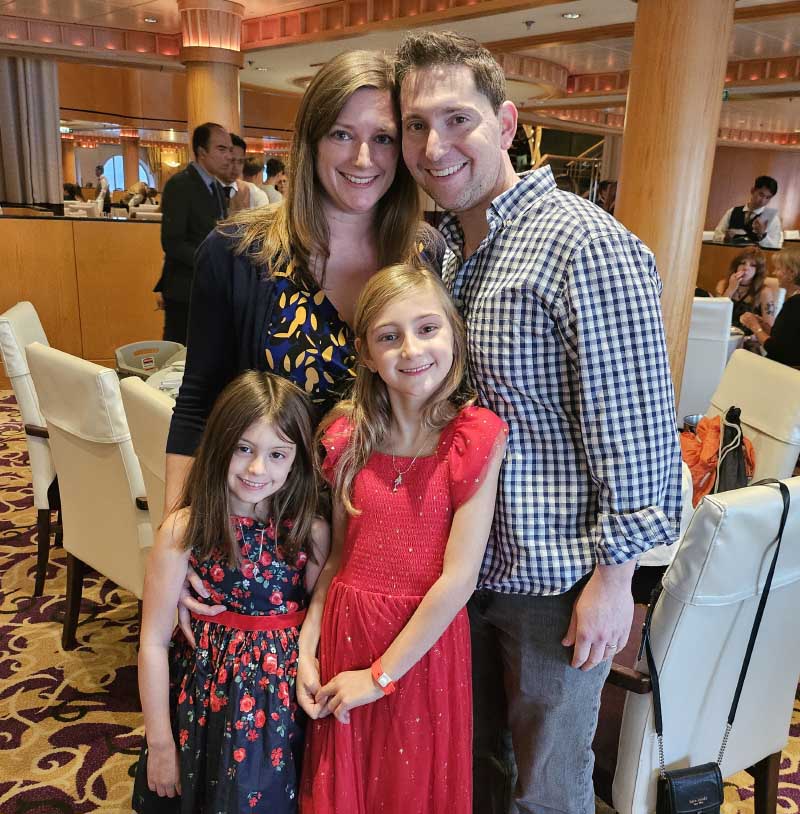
[(651, 663)]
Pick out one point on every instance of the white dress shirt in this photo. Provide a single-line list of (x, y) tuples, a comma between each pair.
[(773, 237)]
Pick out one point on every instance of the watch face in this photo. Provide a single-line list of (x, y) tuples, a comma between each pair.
[(384, 680)]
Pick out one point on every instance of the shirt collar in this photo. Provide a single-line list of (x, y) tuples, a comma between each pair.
[(507, 206), (208, 179), (754, 211)]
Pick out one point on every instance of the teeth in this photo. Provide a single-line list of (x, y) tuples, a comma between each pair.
[(416, 369), (449, 171), (251, 483), (354, 179)]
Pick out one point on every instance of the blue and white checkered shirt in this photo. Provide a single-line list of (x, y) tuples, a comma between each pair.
[(566, 344)]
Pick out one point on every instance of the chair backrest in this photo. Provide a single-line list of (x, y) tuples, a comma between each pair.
[(768, 394), (780, 293), (149, 413), (706, 353), (145, 358), (19, 326), (699, 632), (148, 208), (98, 474)]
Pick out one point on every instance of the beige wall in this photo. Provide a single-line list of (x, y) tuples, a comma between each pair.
[(735, 169)]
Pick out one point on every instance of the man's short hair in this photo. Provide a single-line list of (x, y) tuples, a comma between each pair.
[(98, 167), (426, 49), (766, 182), (275, 167), (201, 135), (238, 141), (252, 168)]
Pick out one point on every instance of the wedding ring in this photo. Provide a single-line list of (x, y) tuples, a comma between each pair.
[(611, 647)]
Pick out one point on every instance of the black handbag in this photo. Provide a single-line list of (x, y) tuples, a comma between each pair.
[(698, 789)]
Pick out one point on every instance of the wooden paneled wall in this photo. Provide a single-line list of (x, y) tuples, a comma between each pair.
[(735, 169), (158, 100), (90, 281)]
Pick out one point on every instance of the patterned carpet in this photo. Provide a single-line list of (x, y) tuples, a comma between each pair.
[(70, 727)]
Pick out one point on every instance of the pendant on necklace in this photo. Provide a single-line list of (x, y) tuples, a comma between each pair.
[(398, 481)]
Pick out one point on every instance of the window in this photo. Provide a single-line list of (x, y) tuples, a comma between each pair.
[(115, 173)]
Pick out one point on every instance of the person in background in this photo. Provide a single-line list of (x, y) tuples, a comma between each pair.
[(607, 195), (103, 190), (753, 222), (72, 192), (152, 196), (276, 175), (241, 194), (191, 204), (781, 338), (744, 285), (252, 173), (566, 345), (137, 194)]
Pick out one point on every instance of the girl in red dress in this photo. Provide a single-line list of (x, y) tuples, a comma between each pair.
[(384, 665)]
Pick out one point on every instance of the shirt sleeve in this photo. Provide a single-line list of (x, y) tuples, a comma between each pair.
[(211, 349), (783, 344), (626, 401), (722, 227), (774, 236)]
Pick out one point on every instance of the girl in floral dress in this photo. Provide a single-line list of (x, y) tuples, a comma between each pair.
[(385, 647), (221, 726)]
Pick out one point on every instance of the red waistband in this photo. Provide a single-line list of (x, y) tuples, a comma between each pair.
[(243, 621)]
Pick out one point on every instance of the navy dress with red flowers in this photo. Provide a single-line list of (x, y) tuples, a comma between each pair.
[(236, 720)]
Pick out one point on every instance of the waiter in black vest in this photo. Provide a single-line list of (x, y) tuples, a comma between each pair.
[(754, 222), (191, 204)]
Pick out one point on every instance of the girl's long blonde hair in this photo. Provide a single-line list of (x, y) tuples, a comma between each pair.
[(369, 410), (295, 232)]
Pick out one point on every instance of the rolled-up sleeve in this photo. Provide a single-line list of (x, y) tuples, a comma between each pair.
[(626, 399)]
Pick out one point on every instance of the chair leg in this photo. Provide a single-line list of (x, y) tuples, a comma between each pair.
[(59, 539), (54, 499), (43, 549), (765, 774), (75, 571)]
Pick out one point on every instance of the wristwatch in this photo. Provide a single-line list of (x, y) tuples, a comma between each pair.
[(383, 680)]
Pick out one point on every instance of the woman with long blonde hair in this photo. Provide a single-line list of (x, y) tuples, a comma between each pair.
[(275, 288)]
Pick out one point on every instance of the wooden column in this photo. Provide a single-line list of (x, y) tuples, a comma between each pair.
[(680, 50), (211, 32), (68, 160), (130, 159)]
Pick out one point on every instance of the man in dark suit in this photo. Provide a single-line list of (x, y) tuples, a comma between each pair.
[(191, 204)]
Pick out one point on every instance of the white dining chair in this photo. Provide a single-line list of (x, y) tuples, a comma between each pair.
[(99, 475), (19, 326)]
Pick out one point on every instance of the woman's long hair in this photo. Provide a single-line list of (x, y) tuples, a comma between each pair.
[(295, 232), (369, 410), (249, 398), (757, 283)]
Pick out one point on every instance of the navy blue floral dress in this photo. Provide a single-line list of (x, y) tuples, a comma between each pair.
[(236, 721), (310, 344)]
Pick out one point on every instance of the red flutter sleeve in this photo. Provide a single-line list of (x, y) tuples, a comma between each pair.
[(476, 434), (335, 440)]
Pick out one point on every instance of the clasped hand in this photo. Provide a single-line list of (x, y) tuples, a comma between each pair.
[(343, 692)]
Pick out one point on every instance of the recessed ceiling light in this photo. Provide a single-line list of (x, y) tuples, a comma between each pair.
[(151, 19), (262, 69), (571, 15)]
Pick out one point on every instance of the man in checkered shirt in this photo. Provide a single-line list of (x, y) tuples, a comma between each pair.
[(566, 344)]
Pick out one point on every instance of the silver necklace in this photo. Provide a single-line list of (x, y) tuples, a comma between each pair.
[(398, 481)]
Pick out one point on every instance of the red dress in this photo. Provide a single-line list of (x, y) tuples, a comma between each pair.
[(410, 752)]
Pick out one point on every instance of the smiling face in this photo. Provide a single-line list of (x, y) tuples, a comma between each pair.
[(410, 345), (259, 466), (357, 157), (454, 143)]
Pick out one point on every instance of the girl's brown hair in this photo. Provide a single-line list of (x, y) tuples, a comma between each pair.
[(757, 283), (369, 410), (249, 398), (295, 232)]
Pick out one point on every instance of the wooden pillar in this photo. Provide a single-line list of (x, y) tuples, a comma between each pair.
[(680, 51), (211, 32), (130, 159), (68, 160)]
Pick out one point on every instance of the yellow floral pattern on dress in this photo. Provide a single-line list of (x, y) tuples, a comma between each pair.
[(309, 343)]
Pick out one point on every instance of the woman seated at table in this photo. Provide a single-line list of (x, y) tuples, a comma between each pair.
[(275, 288), (745, 286), (781, 340)]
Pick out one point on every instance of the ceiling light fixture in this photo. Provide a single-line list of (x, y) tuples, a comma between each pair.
[(570, 15), (151, 19), (262, 69)]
